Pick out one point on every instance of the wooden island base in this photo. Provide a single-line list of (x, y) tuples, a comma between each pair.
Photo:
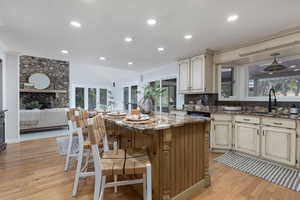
[(179, 157)]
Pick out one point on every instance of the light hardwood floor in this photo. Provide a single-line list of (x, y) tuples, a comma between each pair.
[(33, 170)]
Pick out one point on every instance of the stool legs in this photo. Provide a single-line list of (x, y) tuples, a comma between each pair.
[(149, 182), (67, 164)]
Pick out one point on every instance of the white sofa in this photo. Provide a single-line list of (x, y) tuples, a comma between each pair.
[(43, 119)]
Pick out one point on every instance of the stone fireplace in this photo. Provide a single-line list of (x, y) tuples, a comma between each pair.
[(56, 95)]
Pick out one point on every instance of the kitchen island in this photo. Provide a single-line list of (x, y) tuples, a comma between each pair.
[(178, 150)]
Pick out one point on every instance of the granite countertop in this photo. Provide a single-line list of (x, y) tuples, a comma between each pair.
[(161, 121), (259, 113)]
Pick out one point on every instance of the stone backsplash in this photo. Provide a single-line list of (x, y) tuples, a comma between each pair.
[(206, 99), (212, 100), (59, 74)]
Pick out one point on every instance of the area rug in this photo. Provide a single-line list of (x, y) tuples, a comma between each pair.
[(272, 172), (63, 142)]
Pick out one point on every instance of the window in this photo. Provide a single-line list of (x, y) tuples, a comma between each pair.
[(103, 96), (79, 98), (286, 83), (168, 100), (125, 97), (92, 98), (227, 81), (157, 99), (134, 98)]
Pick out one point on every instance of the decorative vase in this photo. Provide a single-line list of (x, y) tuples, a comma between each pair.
[(146, 105)]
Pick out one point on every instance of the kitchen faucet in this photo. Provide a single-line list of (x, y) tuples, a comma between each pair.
[(272, 90)]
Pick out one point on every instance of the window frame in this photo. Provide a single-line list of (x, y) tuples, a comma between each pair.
[(266, 98), (235, 89), (243, 80), (86, 94)]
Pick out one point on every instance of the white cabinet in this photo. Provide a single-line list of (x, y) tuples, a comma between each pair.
[(279, 144), (247, 138), (184, 75), (221, 135), (196, 74)]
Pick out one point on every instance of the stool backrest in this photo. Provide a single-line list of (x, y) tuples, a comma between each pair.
[(96, 129)]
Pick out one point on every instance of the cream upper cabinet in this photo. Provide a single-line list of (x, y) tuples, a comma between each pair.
[(221, 135), (279, 144), (184, 75), (247, 137), (197, 73)]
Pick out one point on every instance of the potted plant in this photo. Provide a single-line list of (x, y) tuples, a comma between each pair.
[(151, 94)]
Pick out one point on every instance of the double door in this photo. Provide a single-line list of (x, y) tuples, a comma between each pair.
[(192, 74)]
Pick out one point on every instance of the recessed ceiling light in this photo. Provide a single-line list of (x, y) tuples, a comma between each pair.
[(75, 24), (151, 22), (130, 63), (232, 18), (102, 58), (188, 37), (128, 39), (293, 66), (64, 51), (270, 73), (160, 49), (296, 70)]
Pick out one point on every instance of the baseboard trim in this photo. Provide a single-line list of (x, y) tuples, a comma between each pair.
[(12, 141)]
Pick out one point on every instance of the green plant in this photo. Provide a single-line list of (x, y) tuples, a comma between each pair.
[(33, 105), (153, 91)]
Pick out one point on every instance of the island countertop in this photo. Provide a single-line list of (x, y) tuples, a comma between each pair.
[(177, 146), (160, 121)]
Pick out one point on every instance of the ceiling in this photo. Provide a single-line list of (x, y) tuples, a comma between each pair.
[(41, 28)]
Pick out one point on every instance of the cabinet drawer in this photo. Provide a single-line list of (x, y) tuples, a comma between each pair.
[(247, 119), (221, 117), (278, 122)]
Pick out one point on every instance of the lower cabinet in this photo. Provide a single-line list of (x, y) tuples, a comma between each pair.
[(279, 144), (247, 138), (221, 135)]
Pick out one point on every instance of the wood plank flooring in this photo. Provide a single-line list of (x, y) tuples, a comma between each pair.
[(33, 170)]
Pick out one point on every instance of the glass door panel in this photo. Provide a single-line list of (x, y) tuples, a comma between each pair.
[(79, 98), (92, 93)]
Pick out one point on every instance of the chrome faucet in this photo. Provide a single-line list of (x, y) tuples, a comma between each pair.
[(272, 90)]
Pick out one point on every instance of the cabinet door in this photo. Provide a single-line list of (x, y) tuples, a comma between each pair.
[(247, 138), (279, 144), (221, 135), (198, 74), (184, 75)]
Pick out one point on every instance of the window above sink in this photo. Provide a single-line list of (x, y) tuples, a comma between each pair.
[(250, 82)]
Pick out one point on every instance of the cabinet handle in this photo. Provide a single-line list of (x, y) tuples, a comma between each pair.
[(257, 132), (245, 119), (263, 133), (277, 123)]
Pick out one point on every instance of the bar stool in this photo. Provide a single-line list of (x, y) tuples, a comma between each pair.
[(117, 162), (71, 132), (84, 149)]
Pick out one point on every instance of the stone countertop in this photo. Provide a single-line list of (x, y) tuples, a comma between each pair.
[(218, 110), (161, 121)]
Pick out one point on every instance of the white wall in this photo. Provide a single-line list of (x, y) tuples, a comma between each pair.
[(12, 128), (96, 77)]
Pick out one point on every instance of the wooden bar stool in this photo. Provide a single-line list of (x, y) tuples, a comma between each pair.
[(71, 132), (84, 149), (118, 162)]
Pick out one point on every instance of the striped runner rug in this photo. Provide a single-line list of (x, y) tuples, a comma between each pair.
[(272, 172)]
